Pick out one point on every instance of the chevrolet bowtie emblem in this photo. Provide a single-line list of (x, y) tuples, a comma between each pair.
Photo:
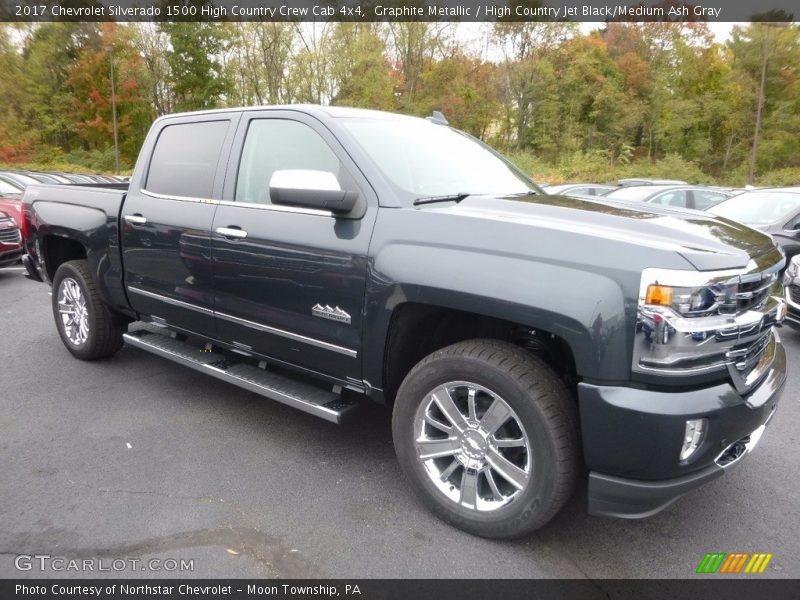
[(328, 312)]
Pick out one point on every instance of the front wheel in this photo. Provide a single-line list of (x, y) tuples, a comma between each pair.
[(87, 327), (486, 434)]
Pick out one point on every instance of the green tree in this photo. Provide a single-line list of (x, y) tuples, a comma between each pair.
[(197, 76), (49, 54), (359, 66)]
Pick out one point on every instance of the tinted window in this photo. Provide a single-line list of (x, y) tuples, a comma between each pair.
[(675, 198), (588, 191), (704, 199), (277, 144), (185, 159)]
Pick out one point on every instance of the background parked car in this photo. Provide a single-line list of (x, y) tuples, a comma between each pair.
[(43, 177), (21, 180), (9, 188), (680, 196), (792, 283), (11, 201), (647, 181), (10, 241), (582, 189), (775, 211)]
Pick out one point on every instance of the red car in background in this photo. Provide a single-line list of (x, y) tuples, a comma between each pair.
[(11, 201), (11, 249)]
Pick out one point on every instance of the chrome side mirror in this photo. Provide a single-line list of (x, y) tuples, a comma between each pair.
[(310, 189)]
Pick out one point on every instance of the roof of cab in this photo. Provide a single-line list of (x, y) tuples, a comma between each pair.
[(330, 111)]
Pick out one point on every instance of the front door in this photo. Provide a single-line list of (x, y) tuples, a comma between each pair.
[(289, 282)]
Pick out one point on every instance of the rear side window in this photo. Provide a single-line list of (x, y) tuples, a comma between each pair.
[(676, 198), (704, 199), (185, 159)]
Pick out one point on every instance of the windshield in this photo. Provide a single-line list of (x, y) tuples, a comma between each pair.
[(759, 208), (6, 188), (630, 193), (20, 178), (423, 159)]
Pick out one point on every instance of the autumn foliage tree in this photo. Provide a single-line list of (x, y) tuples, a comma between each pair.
[(656, 95)]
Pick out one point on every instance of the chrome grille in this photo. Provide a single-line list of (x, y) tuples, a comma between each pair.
[(10, 236), (754, 291), (794, 293)]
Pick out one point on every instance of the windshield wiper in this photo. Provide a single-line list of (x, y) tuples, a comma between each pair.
[(447, 198)]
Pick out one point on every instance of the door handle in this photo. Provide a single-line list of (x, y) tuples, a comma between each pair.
[(232, 232), (135, 219)]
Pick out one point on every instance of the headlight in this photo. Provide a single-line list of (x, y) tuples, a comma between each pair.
[(694, 301), (794, 268), (695, 322)]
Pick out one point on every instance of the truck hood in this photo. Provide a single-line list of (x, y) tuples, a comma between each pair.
[(706, 241)]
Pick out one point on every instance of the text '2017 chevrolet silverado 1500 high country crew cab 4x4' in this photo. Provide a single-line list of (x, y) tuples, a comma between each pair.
[(324, 256)]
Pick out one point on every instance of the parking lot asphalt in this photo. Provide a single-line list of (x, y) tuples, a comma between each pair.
[(138, 458)]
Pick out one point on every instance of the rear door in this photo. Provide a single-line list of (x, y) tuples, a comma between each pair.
[(166, 222), (290, 284)]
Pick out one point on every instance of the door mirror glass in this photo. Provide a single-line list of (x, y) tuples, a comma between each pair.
[(310, 189)]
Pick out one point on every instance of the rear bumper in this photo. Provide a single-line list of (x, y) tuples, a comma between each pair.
[(632, 440)]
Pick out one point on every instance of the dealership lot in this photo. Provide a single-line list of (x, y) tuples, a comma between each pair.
[(138, 458)]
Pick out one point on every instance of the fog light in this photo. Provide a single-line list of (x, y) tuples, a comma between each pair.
[(695, 430)]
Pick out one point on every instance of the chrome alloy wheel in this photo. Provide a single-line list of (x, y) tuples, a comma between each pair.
[(472, 445), (73, 311)]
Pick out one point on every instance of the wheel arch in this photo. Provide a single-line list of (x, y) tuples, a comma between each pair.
[(416, 329)]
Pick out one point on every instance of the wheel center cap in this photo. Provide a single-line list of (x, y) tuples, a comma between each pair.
[(473, 445)]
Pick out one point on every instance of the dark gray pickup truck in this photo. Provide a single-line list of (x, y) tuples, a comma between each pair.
[(324, 256)]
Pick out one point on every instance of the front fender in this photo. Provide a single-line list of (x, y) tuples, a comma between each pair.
[(589, 311)]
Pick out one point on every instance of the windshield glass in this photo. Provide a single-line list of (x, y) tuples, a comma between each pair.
[(759, 208), (20, 178), (630, 193), (423, 159), (6, 188)]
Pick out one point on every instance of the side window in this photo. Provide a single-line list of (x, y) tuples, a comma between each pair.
[(676, 198), (704, 199), (185, 159), (277, 144)]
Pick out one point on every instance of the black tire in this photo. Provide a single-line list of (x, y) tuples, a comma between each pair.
[(105, 329), (541, 404)]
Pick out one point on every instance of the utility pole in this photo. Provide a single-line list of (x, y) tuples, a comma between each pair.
[(110, 51)]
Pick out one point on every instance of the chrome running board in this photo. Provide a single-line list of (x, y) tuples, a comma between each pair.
[(321, 403)]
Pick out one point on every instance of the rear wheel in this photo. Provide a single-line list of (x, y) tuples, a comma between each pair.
[(87, 327), (487, 436)]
